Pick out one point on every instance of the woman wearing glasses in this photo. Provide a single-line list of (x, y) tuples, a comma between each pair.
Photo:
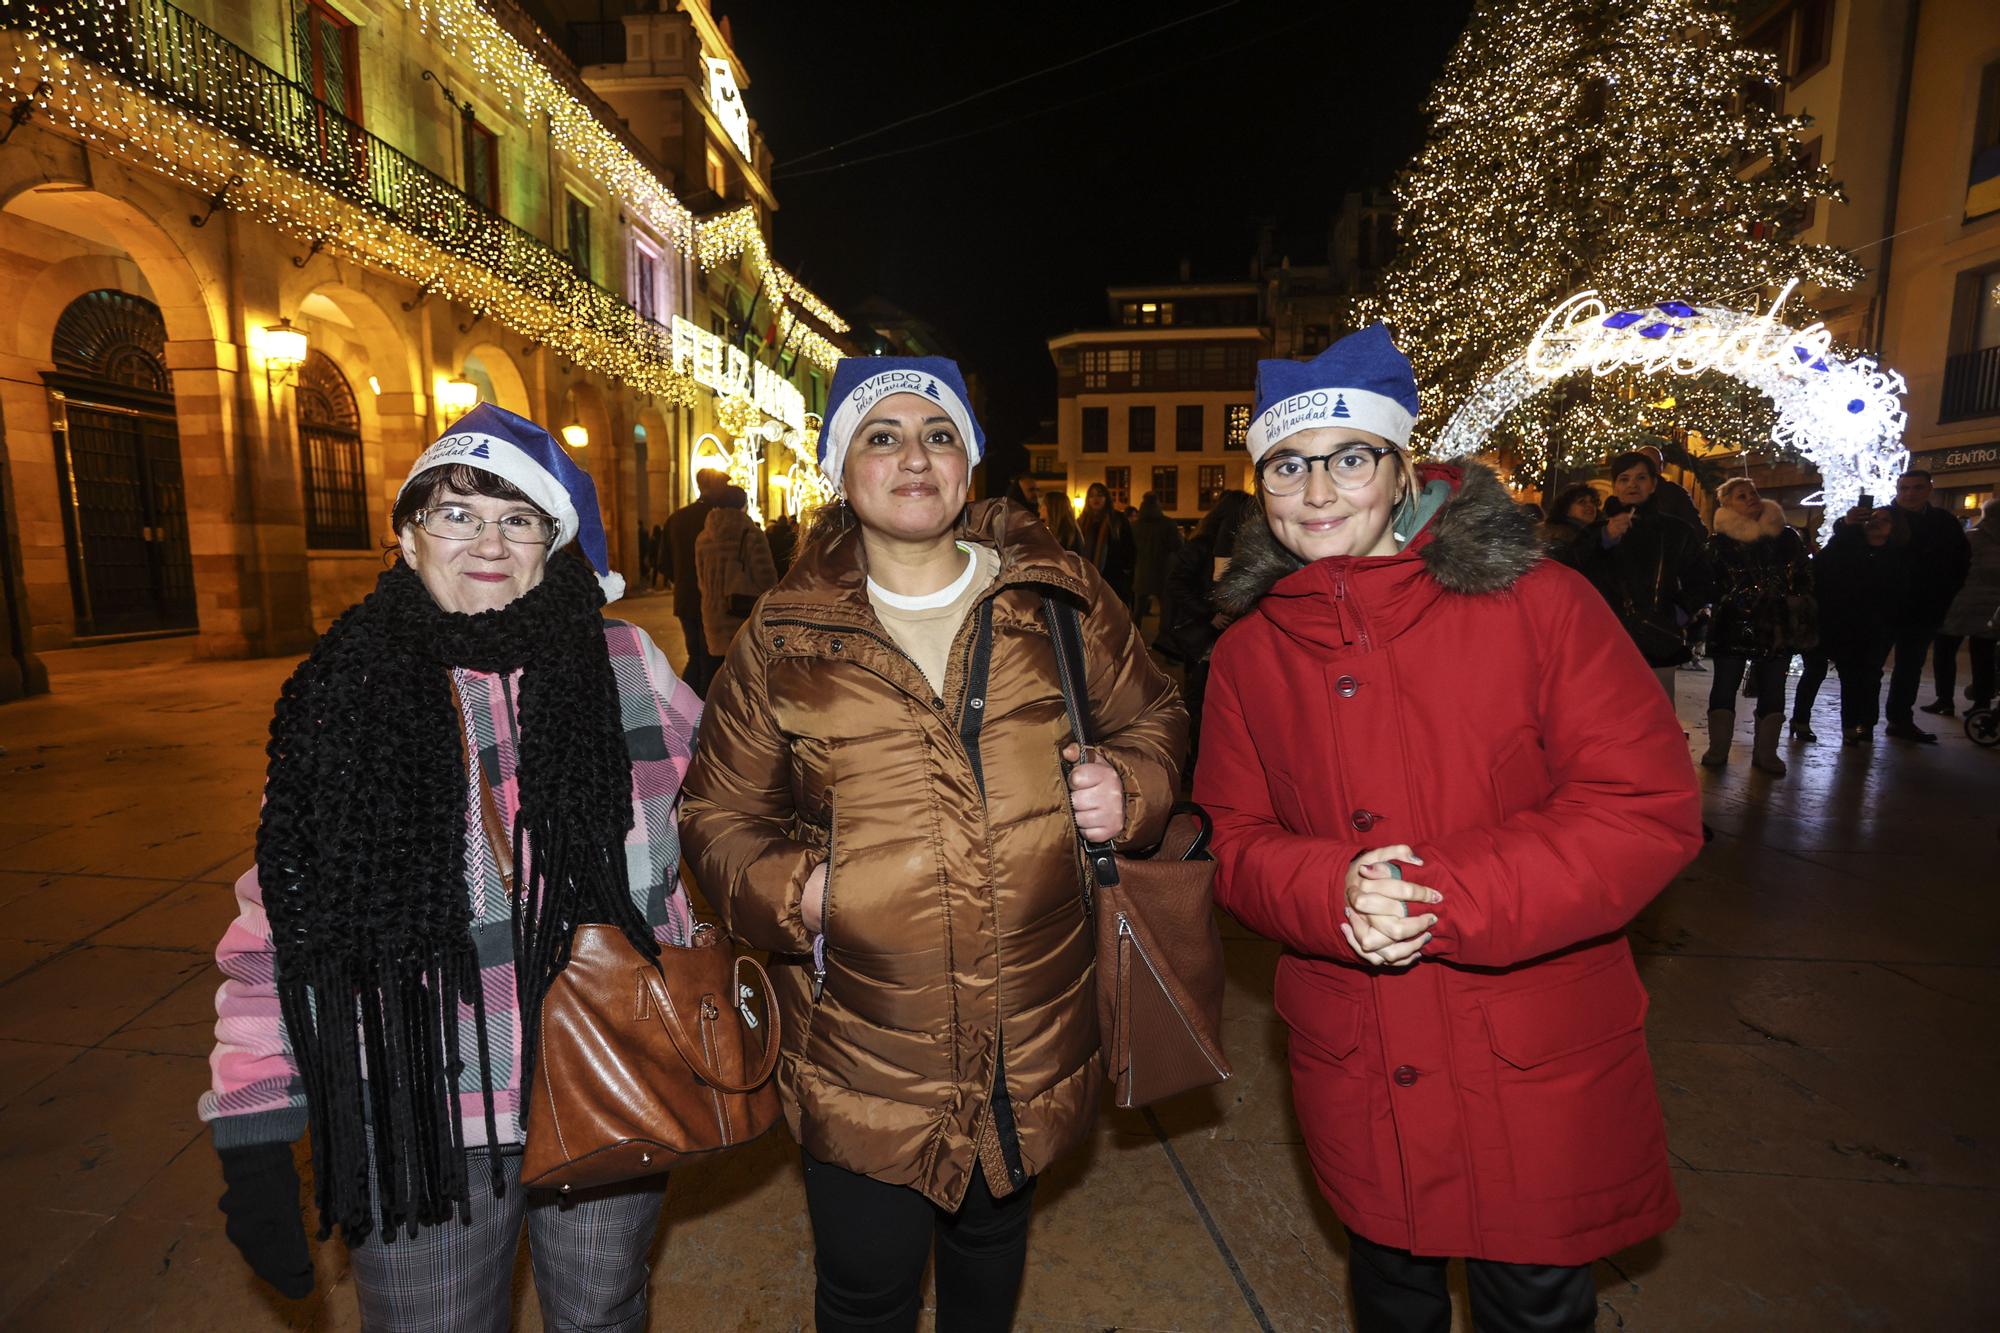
[(473, 728), (1442, 776)]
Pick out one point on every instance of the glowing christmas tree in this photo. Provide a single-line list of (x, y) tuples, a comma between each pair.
[(1622, 145)]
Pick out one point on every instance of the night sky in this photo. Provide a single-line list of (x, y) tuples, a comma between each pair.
[(1110, 170)]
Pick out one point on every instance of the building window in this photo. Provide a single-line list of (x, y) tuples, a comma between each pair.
[(1139, 423), (1187, 428), (1043, 462), (1214, 480), (336, 485), (329, 59), (1982, 187), (718, 171), (1096, 430), (1128, 312), (1118, 480), (1800, 36), (1972, 371), (1094, 361), (1167, 487), (646, 282), (482, 163), (1236, 426), (578, 234)]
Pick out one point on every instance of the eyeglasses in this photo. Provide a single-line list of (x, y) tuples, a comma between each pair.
[(1351, 467), (462, 525)]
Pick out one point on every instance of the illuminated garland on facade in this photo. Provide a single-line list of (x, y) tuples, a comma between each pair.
[(531, 289), (510, 71), (728, 236), (1843, 414)]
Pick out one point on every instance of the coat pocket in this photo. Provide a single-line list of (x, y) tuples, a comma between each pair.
[(1575, 1091), (1338, 1103)]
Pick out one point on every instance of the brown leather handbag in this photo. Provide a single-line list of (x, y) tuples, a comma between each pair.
[(643, 1065), (1159, 949)]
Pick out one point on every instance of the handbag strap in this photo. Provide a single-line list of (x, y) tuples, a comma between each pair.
[(651, 983), (1066, 634)]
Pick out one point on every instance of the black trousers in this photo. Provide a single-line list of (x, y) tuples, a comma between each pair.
[(1944, 667), (1860, 668), (872, 1241), (1913, 649), (1398, 1292), (700, 666), (1767, 672)]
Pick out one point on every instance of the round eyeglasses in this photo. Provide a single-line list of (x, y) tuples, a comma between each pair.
[(462, 525), (1351, 467)]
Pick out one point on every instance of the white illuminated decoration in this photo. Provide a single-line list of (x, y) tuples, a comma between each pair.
[(1843, 414), (725, 99), (713, 363)]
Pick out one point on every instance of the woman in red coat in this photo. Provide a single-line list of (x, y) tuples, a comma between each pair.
[(1442, 776)]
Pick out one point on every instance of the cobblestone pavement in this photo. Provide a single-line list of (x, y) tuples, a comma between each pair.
[(1824, 979)]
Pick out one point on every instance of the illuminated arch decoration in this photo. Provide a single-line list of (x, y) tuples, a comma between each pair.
[(1843, 414)]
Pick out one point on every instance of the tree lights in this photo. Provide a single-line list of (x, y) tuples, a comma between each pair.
[(1607, 144), (1843, 414)]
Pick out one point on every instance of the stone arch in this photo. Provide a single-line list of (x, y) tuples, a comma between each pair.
[(499, 377)]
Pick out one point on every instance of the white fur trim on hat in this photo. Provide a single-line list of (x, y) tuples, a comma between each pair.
[(847, 418), (1358, 408), (490, 453)]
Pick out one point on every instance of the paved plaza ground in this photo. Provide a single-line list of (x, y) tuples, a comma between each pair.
[(1825, 983)]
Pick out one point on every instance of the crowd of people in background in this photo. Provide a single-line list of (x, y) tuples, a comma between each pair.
[(1900, 583)]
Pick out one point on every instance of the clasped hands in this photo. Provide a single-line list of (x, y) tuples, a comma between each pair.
[(1380, 924)]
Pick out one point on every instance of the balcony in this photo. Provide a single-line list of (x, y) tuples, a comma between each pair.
[(1971, 385), (183, 63)]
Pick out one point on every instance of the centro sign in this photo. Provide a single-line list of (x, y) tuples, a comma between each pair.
[(730, 372), (1959, 460)]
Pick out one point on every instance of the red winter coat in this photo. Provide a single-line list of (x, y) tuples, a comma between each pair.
[(1494, 1100)]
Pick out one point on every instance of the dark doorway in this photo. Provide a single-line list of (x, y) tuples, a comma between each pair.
[(118, 460)]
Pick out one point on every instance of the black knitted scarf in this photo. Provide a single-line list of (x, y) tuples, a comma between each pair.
[(361, 856)]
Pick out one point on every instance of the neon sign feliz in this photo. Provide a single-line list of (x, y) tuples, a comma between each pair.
[(1843, 414), (729, 371)]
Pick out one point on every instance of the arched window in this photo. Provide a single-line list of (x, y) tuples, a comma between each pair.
[(336, 484)]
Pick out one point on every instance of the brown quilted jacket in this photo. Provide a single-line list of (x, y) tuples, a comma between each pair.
[(954, 927)]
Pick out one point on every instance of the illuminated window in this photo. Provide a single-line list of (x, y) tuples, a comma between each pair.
[(1236, 426), (1118, 480), (1214, 480), (718, 171), (646, 281), (1167, 487)]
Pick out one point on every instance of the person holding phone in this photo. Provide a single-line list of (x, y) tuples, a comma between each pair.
[(1445, 781)]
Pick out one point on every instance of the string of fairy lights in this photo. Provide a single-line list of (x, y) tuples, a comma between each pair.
[(1619, 145), (296, 171)]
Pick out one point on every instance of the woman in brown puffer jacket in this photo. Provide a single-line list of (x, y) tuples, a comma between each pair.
[(878, 799)]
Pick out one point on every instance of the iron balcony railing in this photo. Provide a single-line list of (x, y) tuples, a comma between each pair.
[(179, 60), (1971, 385)]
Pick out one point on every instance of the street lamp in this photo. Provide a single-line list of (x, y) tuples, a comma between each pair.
[(456, 397), (284, 352)]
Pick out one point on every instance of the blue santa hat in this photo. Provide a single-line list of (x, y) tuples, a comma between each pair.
[(518, 451), (1361, 381), (860, 382)]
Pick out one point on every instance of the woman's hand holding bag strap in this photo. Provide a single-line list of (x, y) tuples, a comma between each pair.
[(1159, 951), (643, 1064)]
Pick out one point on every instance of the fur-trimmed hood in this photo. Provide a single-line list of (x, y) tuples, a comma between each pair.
[(1770, 521), (1481, 541)]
